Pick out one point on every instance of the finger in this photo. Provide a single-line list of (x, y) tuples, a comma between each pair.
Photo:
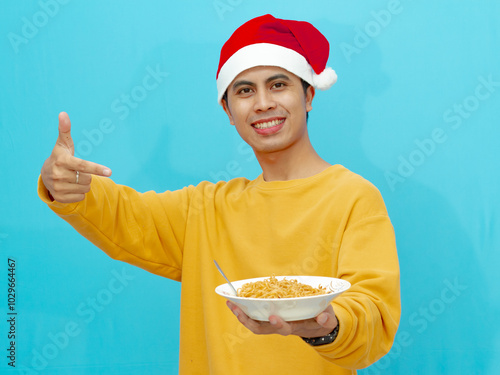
[(64, 139), (67, 188), (69, 198), (276, 325), (322, 319), (85, 166), (243, 318), (327, 318), (280, 326), (66, 192), (84, 178)]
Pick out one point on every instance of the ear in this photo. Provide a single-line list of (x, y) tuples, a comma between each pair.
[(225, 106), (310, 92)]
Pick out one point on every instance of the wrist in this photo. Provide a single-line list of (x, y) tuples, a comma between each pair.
[(323, 340)]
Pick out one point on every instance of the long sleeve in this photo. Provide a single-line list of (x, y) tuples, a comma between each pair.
[(143, 229), (369, 312)]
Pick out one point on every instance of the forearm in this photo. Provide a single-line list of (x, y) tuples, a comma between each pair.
[(369, 312), (366, 333), (122, 223)]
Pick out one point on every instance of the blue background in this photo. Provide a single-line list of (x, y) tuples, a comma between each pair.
[(415, 110)]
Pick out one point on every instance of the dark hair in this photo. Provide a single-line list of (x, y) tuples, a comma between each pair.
[(305, 86)]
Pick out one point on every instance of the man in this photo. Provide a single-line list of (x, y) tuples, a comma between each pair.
[(301, 216)]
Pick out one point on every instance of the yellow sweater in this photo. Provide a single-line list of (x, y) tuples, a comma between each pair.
[(332, 224)]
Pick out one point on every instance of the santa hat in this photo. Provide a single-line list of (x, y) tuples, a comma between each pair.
[(296, 46)]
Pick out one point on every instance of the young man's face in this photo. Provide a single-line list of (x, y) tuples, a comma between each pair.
[(268, 106)]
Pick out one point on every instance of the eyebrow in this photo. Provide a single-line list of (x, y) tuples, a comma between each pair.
[(249, 83)]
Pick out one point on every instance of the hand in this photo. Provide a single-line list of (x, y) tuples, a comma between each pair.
[(319, 326), (66, 177)]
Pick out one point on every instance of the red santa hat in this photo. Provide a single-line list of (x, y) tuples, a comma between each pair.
[(296, 46)]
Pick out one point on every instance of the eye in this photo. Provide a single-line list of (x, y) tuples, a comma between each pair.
[(244, 91), (278, 85)]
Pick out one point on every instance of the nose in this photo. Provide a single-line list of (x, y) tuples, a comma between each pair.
[(264, 101)]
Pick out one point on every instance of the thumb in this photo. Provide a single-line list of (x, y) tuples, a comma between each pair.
[(64, 139), (322, 319), (327, 318)]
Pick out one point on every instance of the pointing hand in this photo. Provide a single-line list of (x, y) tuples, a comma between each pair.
[(66, 177)]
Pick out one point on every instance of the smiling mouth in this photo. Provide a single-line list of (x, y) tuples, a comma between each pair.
[(268, 124)]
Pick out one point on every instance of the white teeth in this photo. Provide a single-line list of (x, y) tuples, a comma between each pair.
[(270, 124)]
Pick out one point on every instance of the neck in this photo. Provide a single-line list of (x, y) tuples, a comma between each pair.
[(291, 164)]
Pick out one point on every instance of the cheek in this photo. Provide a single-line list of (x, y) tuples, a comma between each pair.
[(295, 101), (238, 115)]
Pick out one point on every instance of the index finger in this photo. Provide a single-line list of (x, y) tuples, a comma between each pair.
[(86, 166), (64, 137)]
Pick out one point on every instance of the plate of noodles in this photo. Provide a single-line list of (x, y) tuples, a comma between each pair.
[(289, 297)]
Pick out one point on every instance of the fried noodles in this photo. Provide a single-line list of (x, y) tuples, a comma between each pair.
[(274, 288)]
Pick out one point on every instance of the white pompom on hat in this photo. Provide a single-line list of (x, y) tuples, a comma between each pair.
[(296, 46)]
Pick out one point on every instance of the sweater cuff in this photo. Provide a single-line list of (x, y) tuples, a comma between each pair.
[(345, 324), (57, 207)]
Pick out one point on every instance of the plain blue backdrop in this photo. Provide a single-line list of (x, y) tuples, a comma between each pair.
[(416, 111)]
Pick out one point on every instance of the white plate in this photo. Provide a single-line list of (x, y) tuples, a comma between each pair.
[(289, 309)]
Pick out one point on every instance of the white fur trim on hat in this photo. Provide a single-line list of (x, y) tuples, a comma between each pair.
[(266, 54)]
